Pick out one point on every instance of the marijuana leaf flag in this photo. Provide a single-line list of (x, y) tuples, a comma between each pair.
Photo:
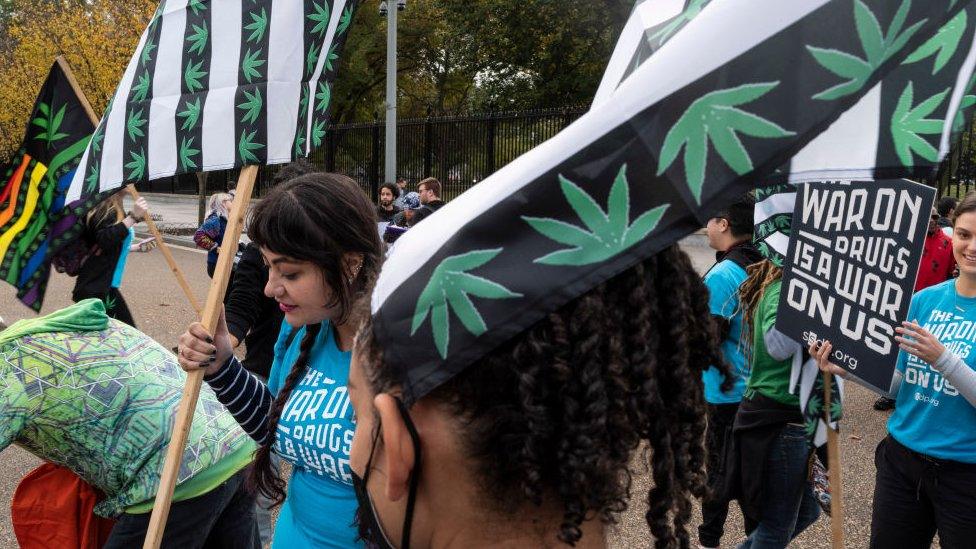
[(34, 222), (651, 24), (217, 84), (705, 100)]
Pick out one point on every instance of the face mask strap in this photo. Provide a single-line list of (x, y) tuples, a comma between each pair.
[(414, 475), (372, 450)]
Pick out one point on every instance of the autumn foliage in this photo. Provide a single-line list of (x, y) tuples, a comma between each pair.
[(96, 37)]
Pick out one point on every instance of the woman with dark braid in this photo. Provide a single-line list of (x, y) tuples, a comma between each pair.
[(317, 234), (536, 443)]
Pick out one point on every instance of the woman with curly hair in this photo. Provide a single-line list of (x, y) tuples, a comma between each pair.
[(317, 234), (537, 442)]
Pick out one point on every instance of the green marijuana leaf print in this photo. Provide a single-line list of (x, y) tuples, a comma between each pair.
[(110, 302), (246, 145), (323, 98), (50, 122), (197, 6), (191, 113), (91, 182), (303, 104), (908, 122), (968, 100), (187, 152), (141, 89), (607, 234), (810, 426), (250, 64), (198, 39), (318, 132), (252, 106), (692, 11), (96, 140), (836, 409), (344, 21), (146, 55), (943, 45), (192, 75), (312, 58), (450, 287), (330, 58), (134, 124), (321, 18), (258, 25), (715, 117), (878, 48), (137, 165)]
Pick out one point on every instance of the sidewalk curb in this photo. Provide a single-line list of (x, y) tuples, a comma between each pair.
[(178, 241)]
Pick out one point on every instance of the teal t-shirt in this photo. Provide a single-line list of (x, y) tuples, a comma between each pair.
[(315, 435), (723, 282), (931, 417)]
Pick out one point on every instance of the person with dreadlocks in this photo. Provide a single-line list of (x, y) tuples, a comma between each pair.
[(536, 443), (768, 467), (317, 234)]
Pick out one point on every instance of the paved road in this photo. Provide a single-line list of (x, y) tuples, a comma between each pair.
[(162, 312)]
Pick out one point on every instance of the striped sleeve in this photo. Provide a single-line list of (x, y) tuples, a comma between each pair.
[(245, 396)]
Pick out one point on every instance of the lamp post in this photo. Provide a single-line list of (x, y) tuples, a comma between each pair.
[(389, 169)]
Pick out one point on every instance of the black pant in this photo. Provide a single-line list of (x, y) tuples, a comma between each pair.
[(916, 495), (718, 442), (220, 519), (115, 306)]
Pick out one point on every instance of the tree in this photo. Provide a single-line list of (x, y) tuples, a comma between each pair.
[(95, 36), (473, 55)]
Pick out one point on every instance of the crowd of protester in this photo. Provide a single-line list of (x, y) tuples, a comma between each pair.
[(535, 444)]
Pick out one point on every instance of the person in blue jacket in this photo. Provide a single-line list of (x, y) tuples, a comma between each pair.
[(926, 466), (210, 235), (317, 234), (730, 235)]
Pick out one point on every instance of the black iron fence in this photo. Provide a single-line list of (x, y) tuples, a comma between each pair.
[(459, 151), (957, 174)]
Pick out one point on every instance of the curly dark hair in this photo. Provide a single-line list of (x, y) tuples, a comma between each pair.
[(318, 217), (557, 413)]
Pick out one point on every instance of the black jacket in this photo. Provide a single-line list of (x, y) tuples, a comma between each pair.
[(95, 277), (387, 215), (422, 212), (253, 317), (757, 424)]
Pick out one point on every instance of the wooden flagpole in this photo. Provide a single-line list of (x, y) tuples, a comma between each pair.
[(191, 391), (170, 260), (833, 459), (132, 190)]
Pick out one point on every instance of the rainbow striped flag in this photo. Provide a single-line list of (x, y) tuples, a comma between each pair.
[(34, 222)]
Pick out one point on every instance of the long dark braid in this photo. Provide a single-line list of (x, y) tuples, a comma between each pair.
[(262, 476), (554, 416)]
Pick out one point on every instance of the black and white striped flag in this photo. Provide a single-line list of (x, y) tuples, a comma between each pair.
[(726, 103), (218, 84), (650, 25)]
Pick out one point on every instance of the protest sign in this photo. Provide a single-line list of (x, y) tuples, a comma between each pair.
[(850, 270)]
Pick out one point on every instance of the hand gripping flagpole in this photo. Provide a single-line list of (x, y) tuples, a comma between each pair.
[(135, 194), (191, 391), (833, 461)]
